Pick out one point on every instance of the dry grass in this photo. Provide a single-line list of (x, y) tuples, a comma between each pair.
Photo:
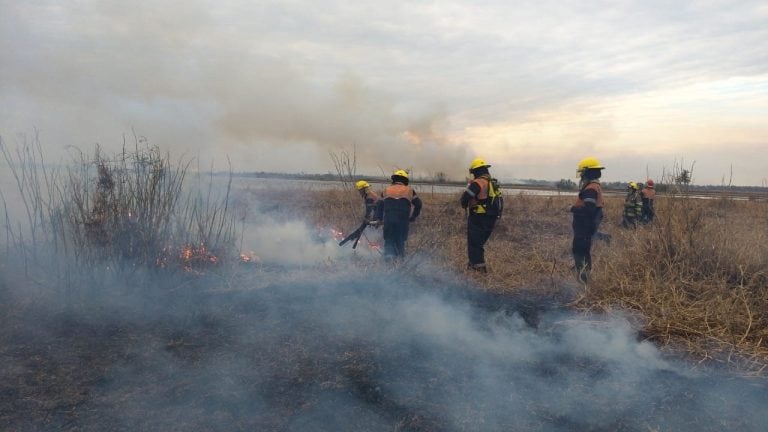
[(131, 209), (698, 277), (695, 279)]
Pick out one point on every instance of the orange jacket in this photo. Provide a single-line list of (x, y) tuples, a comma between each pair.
[(398, 191), (648, 193), (599, 202)]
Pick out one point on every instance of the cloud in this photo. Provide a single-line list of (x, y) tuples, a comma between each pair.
[(424, 85)]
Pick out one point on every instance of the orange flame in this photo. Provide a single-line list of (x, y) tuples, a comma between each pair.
[(249, 257)]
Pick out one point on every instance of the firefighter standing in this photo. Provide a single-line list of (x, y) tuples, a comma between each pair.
[(479, 223), (398, 206), (369, 197), (632, 206), (648, 194), (587, 215)]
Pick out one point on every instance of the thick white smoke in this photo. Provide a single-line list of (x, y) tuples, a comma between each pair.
[(290, 243)]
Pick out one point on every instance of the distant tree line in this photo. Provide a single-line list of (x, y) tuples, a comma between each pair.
[(680, 180)]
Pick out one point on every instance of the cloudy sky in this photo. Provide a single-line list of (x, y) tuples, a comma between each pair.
[(531, 86)]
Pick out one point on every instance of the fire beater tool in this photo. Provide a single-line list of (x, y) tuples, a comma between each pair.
[(355, 235)]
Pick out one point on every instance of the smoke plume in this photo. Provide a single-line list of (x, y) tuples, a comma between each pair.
[(115, 70)]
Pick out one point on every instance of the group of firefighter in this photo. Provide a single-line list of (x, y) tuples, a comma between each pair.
[(638, 204), (399, 205)]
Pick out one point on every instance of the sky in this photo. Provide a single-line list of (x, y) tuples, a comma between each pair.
[(648, 87)]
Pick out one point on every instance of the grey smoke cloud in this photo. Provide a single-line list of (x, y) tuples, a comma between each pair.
[(294, 243), (277, 84), (184, 82)]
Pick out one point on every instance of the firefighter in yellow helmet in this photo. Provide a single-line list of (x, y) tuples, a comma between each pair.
[(370, 198), (398, 207), (481, 220), (587, 215), (633, 206)]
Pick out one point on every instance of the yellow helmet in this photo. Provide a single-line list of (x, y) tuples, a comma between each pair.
[(478, 163), (633, 185), (588, 163), (400, 173), (362, 184)]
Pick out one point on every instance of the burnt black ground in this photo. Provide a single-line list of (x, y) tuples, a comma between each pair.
[(333, 352)]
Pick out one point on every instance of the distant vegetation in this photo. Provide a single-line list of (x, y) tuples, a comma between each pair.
[(562, 184)]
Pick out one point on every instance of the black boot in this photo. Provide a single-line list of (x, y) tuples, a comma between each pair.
[(481, 267)]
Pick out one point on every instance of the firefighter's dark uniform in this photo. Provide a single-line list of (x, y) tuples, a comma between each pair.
[(632, 208), (479, 224), (648, 195), (371, 200), (587, 215), (394, 210)]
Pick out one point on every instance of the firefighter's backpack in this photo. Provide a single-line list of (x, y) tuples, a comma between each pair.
[(495, 203)]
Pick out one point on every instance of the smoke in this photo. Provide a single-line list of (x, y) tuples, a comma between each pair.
[(179, 77), (290, 243), (384, 133), (339, 347)]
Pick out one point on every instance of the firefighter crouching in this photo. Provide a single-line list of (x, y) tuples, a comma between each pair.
[(480, 222), (369, 198), (398, 206), (648, 194), (587, 215)]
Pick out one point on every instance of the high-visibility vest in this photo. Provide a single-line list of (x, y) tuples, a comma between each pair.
[(398, 191), (632, 205), (594, 185), (478, 202)]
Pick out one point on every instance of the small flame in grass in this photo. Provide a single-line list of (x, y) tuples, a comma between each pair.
[(338, 235), (189, 257), (194, 256), (249, 257), (186, 254)]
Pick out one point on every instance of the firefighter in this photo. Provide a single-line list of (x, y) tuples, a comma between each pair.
[(370, 199), (648, 194), (632, 206), (587, 215), (398, 206), (480, 221)]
